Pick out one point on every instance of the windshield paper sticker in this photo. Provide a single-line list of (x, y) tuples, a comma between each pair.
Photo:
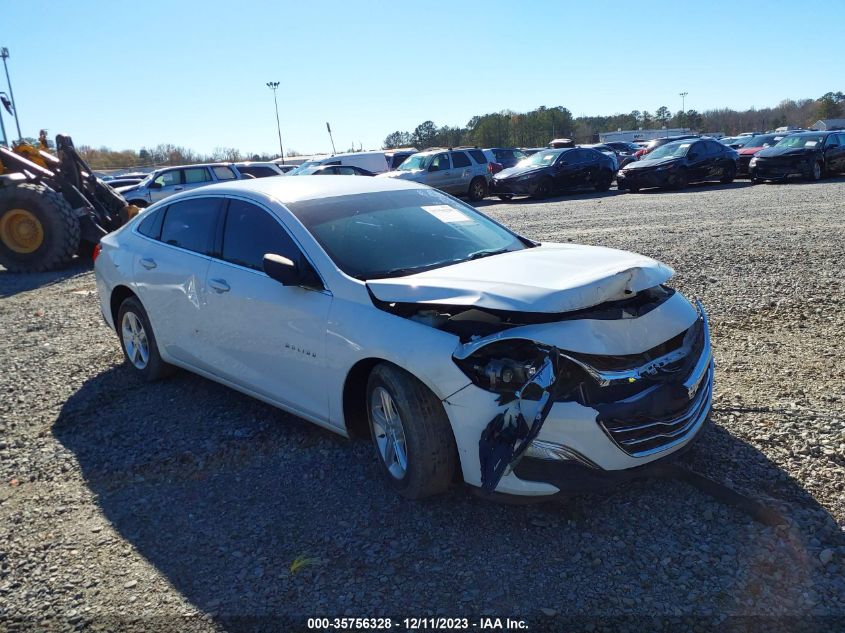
[(450, 215)]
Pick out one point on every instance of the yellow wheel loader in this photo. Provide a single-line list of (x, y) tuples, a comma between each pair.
[(52, 208)]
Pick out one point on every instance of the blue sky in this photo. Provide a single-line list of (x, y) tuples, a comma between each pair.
[(193, 73)]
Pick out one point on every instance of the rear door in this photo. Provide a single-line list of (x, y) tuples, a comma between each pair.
[(264, 336), (462, 172), (834, 153), (170, 270)]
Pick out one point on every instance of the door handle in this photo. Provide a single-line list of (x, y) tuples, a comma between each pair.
[(178, 188), (218, 285), (147, 263)]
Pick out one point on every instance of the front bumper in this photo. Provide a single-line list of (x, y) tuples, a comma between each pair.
[(514, 186), (778, 170), (581, 448), (637, 179)]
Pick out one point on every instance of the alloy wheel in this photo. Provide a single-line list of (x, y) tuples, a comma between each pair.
[(135, 340), (388, 432)]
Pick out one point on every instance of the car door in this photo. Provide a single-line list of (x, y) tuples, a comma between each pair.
[(721, 160), (699, 161), (834, 153), (165, 184), (461, 172), (564, 169), (440, 173), (266, 337), (169, 272)]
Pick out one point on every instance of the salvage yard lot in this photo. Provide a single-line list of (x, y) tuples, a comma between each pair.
[(184, 503)]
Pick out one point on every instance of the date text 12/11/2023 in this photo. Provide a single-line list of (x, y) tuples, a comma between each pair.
[(417, 624)]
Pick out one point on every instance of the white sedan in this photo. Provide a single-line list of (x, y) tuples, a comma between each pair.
[(386, 308)]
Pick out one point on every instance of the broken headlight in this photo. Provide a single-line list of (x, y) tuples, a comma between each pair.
[(505, 367)]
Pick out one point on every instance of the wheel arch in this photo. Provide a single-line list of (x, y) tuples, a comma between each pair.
[(119, 294)]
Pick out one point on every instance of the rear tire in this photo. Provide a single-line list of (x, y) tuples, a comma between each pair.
[(38, 229), (138, 342), (477, 189), (728, 175), (419, 428), (605, 180)]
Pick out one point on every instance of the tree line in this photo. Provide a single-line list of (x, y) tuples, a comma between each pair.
[(162, 155), (538, 127)]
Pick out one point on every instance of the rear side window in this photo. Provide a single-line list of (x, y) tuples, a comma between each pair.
[(223, 172), (191, 224), (195, 175), (479, 156), (151, 225), (459, 159), (169, 178), (251, 232)]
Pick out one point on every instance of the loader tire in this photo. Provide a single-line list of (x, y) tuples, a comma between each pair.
[(38, 229)]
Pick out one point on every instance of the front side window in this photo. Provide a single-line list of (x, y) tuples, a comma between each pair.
[(367, 235), (196, 175), (169, 178), (459, 159), (251, 232), (190, 224), (440, 163), (223, 172)]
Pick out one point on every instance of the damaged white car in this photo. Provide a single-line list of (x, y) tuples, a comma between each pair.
[(387, 308)]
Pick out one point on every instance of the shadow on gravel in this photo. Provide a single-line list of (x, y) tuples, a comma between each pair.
[(13, 283), (579, 195), (698, 186), (222, 493)]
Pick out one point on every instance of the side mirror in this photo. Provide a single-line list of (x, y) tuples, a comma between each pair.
[(434, 168), (154, 185), (289, 273)]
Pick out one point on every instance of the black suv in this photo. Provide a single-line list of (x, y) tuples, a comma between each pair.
[(811, 155)]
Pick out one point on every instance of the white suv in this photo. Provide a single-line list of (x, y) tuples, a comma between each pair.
[(165, 182), (461, 172)]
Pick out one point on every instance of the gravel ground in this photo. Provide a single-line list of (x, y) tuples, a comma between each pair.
[(183, 504)]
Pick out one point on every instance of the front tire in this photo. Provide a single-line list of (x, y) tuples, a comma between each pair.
[(38, 229), (138, 341), (681, 180), (477, 189), (411, 433), (816, 172)]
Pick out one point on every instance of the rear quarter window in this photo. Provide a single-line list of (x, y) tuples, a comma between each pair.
[(478, 156), (191, 224), (151, 225)]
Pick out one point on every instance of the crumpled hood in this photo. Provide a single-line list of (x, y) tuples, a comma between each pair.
[(516, 171), (127, 189), (549, 278)]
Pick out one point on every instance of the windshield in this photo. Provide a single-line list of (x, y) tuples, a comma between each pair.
[(367, 235), (303, 168), (802, 140), (761, 140), (414, 162), (674, 150), (541, 159)]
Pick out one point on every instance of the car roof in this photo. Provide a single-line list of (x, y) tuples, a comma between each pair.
[(293, 189)]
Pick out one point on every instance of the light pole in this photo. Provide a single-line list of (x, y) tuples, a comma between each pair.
[(4, 53), (683, 96), (274, 86)]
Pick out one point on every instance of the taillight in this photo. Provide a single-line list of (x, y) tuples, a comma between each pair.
[(96, 252), (489, 168)]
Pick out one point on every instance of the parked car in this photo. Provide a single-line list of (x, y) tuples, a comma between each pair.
[(334, 170), (505, 156), (678, 163), (259, 170), (375, 162), (747, 146), (654, 143), (625, 152), (528, 151), (165, 182), (811, 155), (284, 167), (461, 172), (554, 170), (518, 367)]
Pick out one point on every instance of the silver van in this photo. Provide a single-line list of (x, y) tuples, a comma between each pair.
[(459, 171), (165, 182)]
